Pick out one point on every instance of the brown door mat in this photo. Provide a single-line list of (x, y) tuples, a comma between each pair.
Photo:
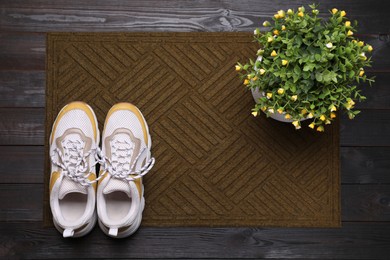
[(216, 165)]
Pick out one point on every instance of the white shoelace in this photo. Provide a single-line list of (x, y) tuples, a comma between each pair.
[(119, 167), (73, 161)]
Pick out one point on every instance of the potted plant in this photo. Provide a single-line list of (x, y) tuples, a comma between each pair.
[(307, 68)]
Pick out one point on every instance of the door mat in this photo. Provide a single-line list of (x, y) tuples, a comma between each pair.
[(216, 165)]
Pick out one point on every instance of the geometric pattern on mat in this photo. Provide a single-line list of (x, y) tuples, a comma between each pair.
[(216, 165)]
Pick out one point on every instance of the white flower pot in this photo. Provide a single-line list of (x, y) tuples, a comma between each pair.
[(279, 117)]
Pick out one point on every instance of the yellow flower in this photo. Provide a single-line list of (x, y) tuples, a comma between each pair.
[(255, 78), (369, 48), (360, 43), (280, 110), (255, 113), (238, 68), (276, 16), (280, 91), (271, 110), (361, 73), (287, 116), (276, 32), (312, 125), (310, 115), (273, 53), (281, 13), (322, 118), (350, 104), (304, 111), (249, 76), (246, 82), (300, 14), (266, 24), (256, 31), (320, 128), (290, 12), (270, 39), (284, 62), (329, 45), (327, 122), (349, 33), (354, 41), (332, 115), (333, 108), (300, 9), (347, 24), (343, 13), (283, 27), (264, 108), (363, 56), (296, 124), (334, 11), (294, 97), (261, 71), (269, 95)]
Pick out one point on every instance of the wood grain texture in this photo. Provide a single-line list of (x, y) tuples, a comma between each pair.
[(22, 88), (227, 15), (23, 202), (22, 51), (21, 164), (366, 202), (365, 165), (352, 241), (369, 128), (21, 126)]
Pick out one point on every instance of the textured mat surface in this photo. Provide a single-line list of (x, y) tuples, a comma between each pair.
[(216, 165)]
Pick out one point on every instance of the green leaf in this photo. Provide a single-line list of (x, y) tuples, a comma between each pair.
[(317, 57), (297, 69), (319, 77), (312, 106)]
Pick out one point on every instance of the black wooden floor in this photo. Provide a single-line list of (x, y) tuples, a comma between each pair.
[(365, 142)]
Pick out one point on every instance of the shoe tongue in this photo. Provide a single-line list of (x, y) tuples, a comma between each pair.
[(69, 186), (118, 185)]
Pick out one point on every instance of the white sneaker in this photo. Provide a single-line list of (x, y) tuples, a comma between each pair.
[(73, 143), (126, 157)]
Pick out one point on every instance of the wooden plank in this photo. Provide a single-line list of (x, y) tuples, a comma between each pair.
[(27, 89), (25, 126), (21, 202), (22, 89), (227, 15), (352, 241), (369, 128), (365, 165), (22, 51), (359, 165), (365, 202), (21, 164), (378, 95), (359, 202), (381, 45), (22, 126)]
